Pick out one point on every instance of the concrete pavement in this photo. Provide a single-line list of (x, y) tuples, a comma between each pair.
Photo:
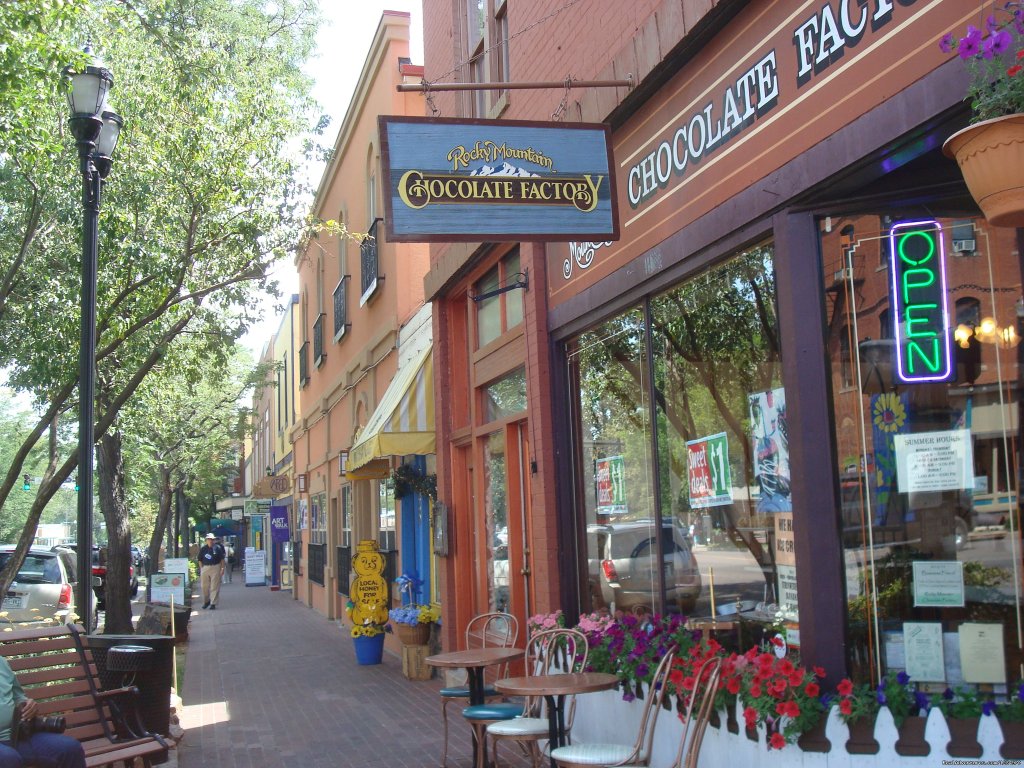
[(269, 682)]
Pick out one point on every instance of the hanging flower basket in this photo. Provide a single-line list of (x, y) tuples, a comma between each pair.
[(412, 634), (991, 158)]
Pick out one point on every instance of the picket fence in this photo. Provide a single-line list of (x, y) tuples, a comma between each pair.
[(605, 717)]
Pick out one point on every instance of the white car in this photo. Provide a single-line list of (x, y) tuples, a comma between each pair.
[(42, 590)]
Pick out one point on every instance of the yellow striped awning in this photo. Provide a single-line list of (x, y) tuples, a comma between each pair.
[(403, 422)]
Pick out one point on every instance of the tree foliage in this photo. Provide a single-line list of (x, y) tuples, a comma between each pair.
[(201, 200)]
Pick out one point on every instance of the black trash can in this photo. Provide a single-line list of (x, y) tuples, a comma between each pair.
[(151, 673)]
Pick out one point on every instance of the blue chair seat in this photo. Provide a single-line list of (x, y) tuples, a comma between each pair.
[(502, 710), (462, 692)]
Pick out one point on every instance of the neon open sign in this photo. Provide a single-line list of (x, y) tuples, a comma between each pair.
[(921, 323)]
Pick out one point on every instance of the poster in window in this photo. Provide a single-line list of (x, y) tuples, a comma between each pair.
[(708, 472), (303, 514), (771, 450), (610, 479)]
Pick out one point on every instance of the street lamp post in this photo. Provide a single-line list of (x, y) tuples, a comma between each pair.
[(96, 131)]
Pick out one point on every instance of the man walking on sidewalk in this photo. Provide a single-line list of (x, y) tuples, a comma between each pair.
[(211, 565)]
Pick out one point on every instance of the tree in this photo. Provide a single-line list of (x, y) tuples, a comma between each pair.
[(202, 199)]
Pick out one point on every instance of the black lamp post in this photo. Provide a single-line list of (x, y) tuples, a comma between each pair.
[(96, 131)]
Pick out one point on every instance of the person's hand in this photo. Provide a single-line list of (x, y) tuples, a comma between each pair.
[(29, 709)]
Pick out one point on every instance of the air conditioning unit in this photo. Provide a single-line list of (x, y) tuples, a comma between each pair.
[(963, 246), (843, 274)]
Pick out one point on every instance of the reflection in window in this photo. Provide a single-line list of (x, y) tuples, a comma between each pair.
[(502, 311), (386, 515), (496, 522), (506, 396), (926, 471)]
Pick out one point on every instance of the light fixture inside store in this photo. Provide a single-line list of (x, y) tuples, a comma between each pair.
[(987, 331)]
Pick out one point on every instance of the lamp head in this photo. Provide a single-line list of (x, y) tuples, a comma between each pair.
[(88, 89)]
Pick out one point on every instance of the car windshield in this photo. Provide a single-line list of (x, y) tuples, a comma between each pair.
[(38, 569)]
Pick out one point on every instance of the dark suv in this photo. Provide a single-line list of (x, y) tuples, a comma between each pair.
[(99, 573)]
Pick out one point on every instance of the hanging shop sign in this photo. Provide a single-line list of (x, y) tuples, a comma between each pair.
[(920, 322), (497, 180)]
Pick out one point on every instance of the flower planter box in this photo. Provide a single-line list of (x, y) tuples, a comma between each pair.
[(605, 717)]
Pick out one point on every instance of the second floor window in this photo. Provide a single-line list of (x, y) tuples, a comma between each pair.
[(341, 308), (503, 311), (304, 364), (318, 342), (369, 262)]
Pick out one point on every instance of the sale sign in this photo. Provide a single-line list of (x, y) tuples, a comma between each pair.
[(707, 460)]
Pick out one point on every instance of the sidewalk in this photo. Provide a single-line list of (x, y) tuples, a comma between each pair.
[(269, 682)]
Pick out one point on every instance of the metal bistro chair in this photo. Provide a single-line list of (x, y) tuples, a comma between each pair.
[(639, 752), (485, 630), (696, 723), (551, 652)]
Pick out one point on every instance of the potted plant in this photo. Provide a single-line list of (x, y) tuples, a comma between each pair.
[(1010, 715), (858, 708), (412, 623), (990, 152), (962, 709)]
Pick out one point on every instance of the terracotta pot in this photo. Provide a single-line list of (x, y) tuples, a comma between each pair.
[(991, 158), (963, 732), (814, 740), (911, 741), (1013, 741), (732, 725), (409, 634), (862, 737), (715, 719)]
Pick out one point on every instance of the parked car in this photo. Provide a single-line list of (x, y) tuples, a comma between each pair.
[(99, 573), (623, 559), (43, 589)]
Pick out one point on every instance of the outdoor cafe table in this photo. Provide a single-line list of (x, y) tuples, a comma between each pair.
[(554, 688), (474, 661)]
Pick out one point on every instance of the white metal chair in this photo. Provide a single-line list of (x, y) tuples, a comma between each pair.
[(486, 630), (636, 754), (549, 652)]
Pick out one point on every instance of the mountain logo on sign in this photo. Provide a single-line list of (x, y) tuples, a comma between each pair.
[(505, 169)]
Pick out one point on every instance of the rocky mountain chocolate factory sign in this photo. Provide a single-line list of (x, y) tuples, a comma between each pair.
[(474, 180)]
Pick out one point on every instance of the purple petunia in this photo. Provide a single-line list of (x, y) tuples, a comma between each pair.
[(970, 45), (947, 42), (988, 707), (902, 678), (642, 670), (997, 44), (947, 694), (922, 701), (1020, 692)]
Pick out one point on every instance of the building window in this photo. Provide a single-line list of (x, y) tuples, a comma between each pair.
[(909, 499), (717, 430), (506, 396), (369, 262), (304, 364), (386, 520), (845, 360), (341, 308), (318, 518), (487, 52), (498, 313), (346, 516), (319, 356), (317, 554)]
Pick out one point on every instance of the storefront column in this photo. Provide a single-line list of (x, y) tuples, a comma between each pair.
[(817, 539)]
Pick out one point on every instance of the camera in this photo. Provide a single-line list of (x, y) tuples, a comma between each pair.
[(39, 724)]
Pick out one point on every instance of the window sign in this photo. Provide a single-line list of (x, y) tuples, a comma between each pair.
[(710, 479), (920, 323), (610, 477)]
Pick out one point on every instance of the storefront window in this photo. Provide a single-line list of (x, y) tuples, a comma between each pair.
[(506, 396), (927, 469), (386, 537), (719, 459)]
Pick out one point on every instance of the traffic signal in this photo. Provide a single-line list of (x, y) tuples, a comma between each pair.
[(26, 483)]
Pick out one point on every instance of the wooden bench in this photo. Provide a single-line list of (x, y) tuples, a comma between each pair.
[(55, 667)]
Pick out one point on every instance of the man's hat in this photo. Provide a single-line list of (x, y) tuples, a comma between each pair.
[(210, 536)]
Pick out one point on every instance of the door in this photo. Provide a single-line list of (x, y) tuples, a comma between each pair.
[(502, 522)]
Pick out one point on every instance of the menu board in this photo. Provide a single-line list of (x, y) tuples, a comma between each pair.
[(165, 586), (255, 567)]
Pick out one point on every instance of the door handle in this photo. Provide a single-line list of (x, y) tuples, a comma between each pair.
[(524, 572)]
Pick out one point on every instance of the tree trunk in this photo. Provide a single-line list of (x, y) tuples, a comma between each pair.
[(164, 512), (110, 466)]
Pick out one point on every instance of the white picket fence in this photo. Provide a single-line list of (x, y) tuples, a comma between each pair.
[(605, 717)]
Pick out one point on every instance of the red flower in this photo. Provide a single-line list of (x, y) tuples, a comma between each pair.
[(675, 677), (819, 672), (733, 685), (779, 685), (689, 683), (777, 741), (812, 690), (755, 690), (845, 687), (777, 641), (796, 677), (1020, 54), (786, 667), (1014, 70), (846, 706), (750, 717)]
